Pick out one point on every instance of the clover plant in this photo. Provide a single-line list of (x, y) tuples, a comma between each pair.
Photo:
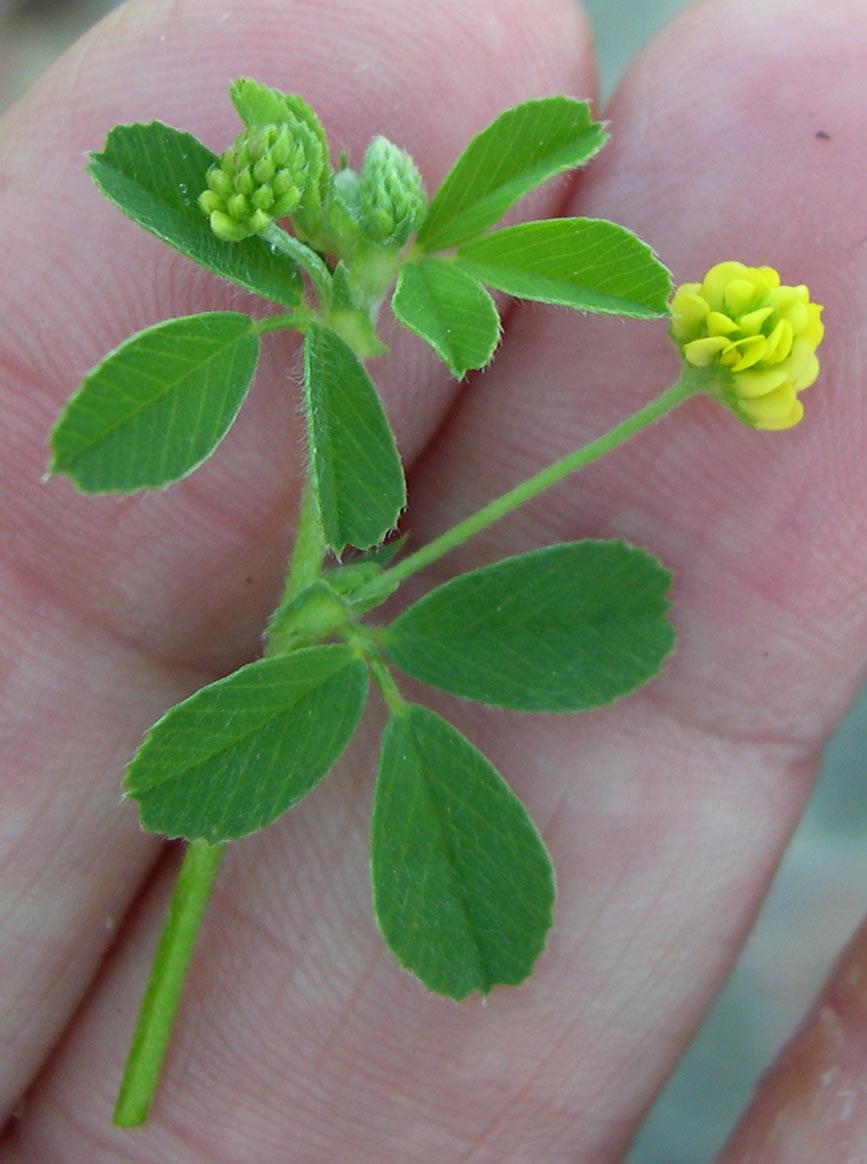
[(462, 885)]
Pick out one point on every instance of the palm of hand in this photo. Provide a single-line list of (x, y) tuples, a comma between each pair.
[(665, 815)]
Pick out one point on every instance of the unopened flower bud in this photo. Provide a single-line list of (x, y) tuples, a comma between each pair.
[(758, 336), (391, 197), (263, 176)]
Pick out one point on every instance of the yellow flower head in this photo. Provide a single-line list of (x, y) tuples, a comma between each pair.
[(756, 339)]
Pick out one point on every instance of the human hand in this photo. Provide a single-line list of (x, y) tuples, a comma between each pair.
[(299, 1039)]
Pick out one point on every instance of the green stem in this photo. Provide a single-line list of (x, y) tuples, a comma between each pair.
[(364, 639), (193, 889), (686, 386), (286, 244), (305, 567), (169, 969), (299, 319), (309, 547)]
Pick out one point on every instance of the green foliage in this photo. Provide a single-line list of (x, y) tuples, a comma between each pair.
[(354, 464), (317, 613), (240, 752), (158, 405), (391, 199), (327, 605), (449, 310), (355, 326), (563, 628), (263, 176), (518, 151), (154, 174), (584, 263), (462, 883), (257, 106)]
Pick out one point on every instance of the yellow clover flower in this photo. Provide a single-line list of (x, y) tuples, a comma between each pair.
[(756, 340)]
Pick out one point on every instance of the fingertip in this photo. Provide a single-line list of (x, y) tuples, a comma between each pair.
[(423, 74), (750, 121), (428, 77)]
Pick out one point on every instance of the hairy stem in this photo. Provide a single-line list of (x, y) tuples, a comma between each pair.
[(686, 386), (190, 898), (364, 639), (283, 243), (309, 549), (298, 319)]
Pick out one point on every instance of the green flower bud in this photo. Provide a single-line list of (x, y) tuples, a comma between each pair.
[(220, 184), (263, 198), (265, 169), (281, 184), (391, 197), (263, 176), (308, 215)]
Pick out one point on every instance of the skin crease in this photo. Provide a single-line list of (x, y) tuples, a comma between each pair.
[(299, 1041)]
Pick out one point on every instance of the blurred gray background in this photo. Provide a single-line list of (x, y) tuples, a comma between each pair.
[(819, 895)]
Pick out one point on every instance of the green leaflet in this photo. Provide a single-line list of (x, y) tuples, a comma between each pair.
[(236, 755), (462, 884), (449, 310), (563, 628), (518, 151), (154, 174), (158, 405), (585, 263), (355, 466)]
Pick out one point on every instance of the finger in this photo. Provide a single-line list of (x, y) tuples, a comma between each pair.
[(662, 831), (812, 1104), (154, 70), (297, 1028), (759, 529), (667, 813), (113, 609)]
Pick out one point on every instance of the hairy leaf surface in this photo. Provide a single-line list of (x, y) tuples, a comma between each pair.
[(519, 150), (585, 263), (449, 310), (355, 466)]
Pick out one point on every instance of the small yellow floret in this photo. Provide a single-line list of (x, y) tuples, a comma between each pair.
[(759, 336)]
